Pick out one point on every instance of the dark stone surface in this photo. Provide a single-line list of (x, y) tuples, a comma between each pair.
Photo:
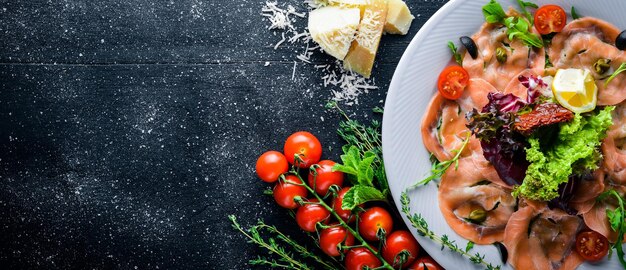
[(129, 129)]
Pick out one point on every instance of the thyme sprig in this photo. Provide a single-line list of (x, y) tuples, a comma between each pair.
[(440, 167), (286, 259), (421, 225)]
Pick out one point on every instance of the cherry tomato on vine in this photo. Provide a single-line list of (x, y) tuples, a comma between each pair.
[(397, 242), (591, 245), (331, 237), (304, 144), (373, 219), (346, 215), (310, 214), (424, 263), (550, 19), (285, 192), (358, 258), (325, 177), (271, 165), (452, 82)]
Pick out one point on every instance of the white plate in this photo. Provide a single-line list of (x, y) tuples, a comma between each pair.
[(412, 87)]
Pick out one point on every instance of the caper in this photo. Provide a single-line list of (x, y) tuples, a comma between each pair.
[(470, 45), (501, 55), (602, 65), (477, 216), (620, 41)]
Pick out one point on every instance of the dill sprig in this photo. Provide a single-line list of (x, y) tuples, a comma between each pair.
[(440, 167), (286, 259), (421, 225)]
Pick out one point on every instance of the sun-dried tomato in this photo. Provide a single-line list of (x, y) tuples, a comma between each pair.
[(544, 114)]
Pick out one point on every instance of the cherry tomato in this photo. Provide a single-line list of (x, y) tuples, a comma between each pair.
[(591, 245), (310, 214), (346, 215), (550, 19), (397, 242), (331, 237), (325, 177), (304, 144), (271, 165), (285, 192), (358, 258), (452, 82), (373, 219), (424, 263)]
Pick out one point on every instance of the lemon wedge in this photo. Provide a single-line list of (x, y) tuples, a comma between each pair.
[(575, 89)]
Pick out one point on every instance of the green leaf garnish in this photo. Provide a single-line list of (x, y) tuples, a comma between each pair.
[(616, 219), (493, 12), (575, 14), (523, 5), (516, 27), (619, 70), (457, 55)]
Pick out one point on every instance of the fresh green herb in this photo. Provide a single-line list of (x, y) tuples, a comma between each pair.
[(470, 246), (358, 168), (286, 259), (519, 28), (516, 27), (575, 14), (359, 194), (616, 219), (524, 5), (493, 12), (439, 168), (454, 50), (368, 142), (619, 70), (421, 225)]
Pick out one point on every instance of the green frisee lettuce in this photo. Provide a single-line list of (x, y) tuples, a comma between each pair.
[(574, 151)]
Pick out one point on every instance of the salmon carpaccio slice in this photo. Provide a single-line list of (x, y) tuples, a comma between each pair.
[(539, 238), (468, 189), (580, 44), (519, 57), (596, 218), (614, 146), (444, 124)]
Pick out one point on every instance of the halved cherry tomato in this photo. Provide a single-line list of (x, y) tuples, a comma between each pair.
[(359, 258), (304, 144), (271, 165), (452, 82), (285, 192), (325, 177), (346, 215), (310, 214), (550, 19), (397, 242), (424, 263), (591, 245), (331, 237), (373, 219)]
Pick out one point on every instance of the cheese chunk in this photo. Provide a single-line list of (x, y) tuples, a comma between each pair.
[(399, 18), (360, 58), (334, 28)]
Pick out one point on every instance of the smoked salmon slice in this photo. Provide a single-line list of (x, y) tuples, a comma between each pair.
[(614, 146), (538, 238), (488, 39), (473, 206)]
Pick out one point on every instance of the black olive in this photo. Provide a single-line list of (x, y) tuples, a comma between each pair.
[(504, 254), (620, 41), (469, 44)]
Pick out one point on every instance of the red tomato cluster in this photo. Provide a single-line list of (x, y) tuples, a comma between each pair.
[(303, 150)]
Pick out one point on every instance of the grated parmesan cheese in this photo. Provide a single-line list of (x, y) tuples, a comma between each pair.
[(347, 84)]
